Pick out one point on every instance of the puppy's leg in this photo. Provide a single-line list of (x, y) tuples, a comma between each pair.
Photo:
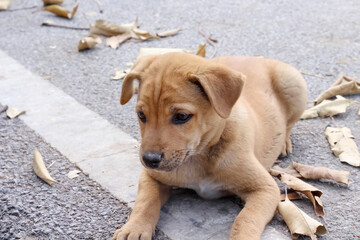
[(291, 90), (261, 199), (287, 148), (145, 215)]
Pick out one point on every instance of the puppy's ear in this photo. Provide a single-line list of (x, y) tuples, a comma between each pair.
[(221, 85), (127, 90)]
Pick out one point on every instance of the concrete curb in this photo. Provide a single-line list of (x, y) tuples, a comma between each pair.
[(107, 154)]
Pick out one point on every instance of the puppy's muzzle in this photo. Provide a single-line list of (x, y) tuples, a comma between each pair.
[(152, 159)]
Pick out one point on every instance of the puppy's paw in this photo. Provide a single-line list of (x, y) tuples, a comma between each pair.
[(287, 148), (132, 231)]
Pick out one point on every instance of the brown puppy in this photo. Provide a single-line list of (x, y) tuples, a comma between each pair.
[(215, 126)]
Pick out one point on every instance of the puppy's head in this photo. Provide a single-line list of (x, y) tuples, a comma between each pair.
[(182, 102)]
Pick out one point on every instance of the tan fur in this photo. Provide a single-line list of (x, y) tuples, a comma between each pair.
[(230, 141)]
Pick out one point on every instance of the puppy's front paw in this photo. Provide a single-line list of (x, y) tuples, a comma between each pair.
[(132, 231)]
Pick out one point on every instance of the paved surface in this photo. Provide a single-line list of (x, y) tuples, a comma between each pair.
[(317, 37), (78, 208), (83, 136)]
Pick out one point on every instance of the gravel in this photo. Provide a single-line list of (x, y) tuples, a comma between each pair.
[(75, 208)]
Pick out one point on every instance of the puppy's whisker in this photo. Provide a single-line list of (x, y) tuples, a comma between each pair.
[(187, 151)]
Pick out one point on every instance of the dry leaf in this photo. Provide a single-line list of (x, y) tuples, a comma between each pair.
[(47, 77), (89, 42), (47, 23), (57, 10), (310, 191), (73, 174), (14, 112), (60, 11), (291, 196), (50, 2), (157, 51), (105, 28), (74, 11), (120, 33), (344, 85), (307, 171), (343, 145), (141, 34), (120, 74), (201, 50), (5, 4), (299, 222), (300, 170), (329, 108), (40, 169), (168, 33), (115, 41), (276, 171)]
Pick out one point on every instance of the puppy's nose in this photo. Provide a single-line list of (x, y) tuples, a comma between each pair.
[(152, 159)]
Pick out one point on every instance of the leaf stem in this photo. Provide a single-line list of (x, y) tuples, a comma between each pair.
[(20, 9), (312, 75), (334, 122), (63, 26)]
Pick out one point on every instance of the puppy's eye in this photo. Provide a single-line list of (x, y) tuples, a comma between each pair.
[(181, 118), (141, 116)]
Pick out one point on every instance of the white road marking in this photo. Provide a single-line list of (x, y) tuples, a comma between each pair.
[(100, 149)]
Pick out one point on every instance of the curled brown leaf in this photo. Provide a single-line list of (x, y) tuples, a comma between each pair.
[(168, 33), (343, 145), (73, 173), (120, 74), (291, 196), (40, 169), (14, 112), (329, 108), (344, 85), (276, 171), (308, 190), (88, 42), (142, 34), (51, 2), (74, 11), (105, 28), (306, 171), (201, 51), (116, 41), (299, 222), (120, 33), (312, 172), (60, 11)]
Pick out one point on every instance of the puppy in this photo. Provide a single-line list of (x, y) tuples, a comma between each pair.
[(215, 126)]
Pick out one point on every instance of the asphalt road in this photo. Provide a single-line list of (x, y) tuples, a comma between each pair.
[(317, 37)]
